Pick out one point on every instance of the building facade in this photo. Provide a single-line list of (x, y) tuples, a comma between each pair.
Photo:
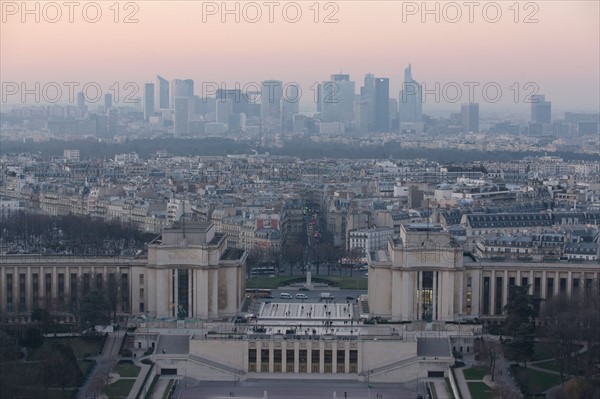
[(191, 273), (424, 275)]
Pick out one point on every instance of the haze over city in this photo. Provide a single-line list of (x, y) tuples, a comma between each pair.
[(300, 200), (554, 44)]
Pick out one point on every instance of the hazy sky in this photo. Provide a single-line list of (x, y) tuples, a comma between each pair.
[(559, 52)]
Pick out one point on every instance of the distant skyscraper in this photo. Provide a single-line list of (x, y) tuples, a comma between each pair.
[(148, 100), (393, 113), (161, 100), (540, 109), (241, 101), (113, 122), (107, 101), (81, 107), (469, 115), (101, 125), (411, 96), (181, 88), (290, 106), (224, 110), (367, 104), (181, 116), (382, 105), (337, 99), (270, 104)]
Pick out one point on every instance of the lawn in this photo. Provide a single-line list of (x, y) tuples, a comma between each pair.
[(533, 381), (126, 370), (119, 389), (347, 283), (479, 390), (552, 365), (542, 351), (85, 366), (474, 373), (81, 347), (53, 393)]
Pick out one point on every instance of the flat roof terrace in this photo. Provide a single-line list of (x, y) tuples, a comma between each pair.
[(305, 311)]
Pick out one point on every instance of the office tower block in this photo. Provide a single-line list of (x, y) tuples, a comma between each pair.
[(161, 100), (148, 100), (540, 109), (270, 104), (367, 107), (224, 110), (181, 88), (181, 116), (411, 99), (290, 106), (337, 99), (469, 116), (382, 105), (108, 100), (393, 113), (81, 107), (113, 122)]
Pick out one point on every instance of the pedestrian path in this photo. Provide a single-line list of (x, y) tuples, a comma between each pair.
[(140, 379), (462, 383), (160, 388), (441, 390), (104, 363)]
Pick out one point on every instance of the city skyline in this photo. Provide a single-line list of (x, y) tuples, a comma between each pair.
[(564, 66)]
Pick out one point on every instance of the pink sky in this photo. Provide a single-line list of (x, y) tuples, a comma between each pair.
[(560, 53)]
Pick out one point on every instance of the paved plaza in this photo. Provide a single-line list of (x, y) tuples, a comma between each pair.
[(299, 389), (306, 311)]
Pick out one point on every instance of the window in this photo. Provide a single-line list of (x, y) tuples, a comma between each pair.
[(141, 279), (289, 359), (353, 361), (264, 360), (302, 360), (277, 360), (328, 360), (341, 361), (315, 359)]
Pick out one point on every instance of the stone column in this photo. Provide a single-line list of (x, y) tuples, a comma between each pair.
[(321, 357), (419, 311), (493, 293), (296, 357), (346, 358), (505, 289), (54, 285), (214, 291), (258, 356), (397, 291), (334, 357), (190, 292), (28, 290), (309, 348), (435, 296), (544, 288)]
